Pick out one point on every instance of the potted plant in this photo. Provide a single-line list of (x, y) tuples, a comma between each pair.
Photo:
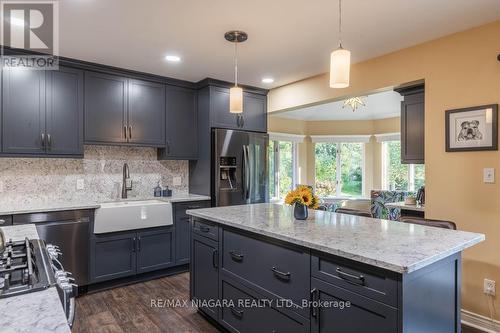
[(302, 198)]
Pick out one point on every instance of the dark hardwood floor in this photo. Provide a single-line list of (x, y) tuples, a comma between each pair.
[(128, 309)]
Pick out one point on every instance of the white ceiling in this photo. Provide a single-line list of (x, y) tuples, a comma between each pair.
[(377, 106), (288, 39)]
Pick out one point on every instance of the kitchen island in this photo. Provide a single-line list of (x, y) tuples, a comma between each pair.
[(255, 268)]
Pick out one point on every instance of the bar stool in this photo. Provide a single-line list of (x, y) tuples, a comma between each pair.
[(429, 222), (353, 212)]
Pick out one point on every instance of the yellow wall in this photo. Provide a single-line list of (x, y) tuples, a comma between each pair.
[(373, 150), (460, 70)]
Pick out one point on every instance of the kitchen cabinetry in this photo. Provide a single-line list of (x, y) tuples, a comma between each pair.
[(205, 273), (119, 110), (357, 317), (5, 220), (118, 255), (413, 124), (181, 124), (183, 229), (42, 112), (253, 118)]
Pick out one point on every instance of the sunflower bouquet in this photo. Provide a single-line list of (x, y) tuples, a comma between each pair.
[(302, 195)]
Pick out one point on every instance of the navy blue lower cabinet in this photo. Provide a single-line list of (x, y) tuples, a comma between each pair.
[(336, 309), (154, 250), (245, 311), (205, 274), (112, 256)]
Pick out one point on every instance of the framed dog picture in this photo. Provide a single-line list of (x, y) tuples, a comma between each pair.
[(472, 129)]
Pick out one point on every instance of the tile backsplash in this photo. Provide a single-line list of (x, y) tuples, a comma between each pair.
[(46, 180)]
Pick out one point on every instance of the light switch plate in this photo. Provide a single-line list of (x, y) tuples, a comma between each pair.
[(177, 181), (489, 175), (80, 184)]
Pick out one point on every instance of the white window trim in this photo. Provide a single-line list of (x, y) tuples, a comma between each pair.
[(294, 138), (388, 137), (295, 163), (341, 138)]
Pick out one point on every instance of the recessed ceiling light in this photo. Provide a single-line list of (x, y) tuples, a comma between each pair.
[(267, 80), (172, 58)]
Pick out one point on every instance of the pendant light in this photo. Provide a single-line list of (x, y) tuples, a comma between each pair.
[(236, 93), (340, 61)]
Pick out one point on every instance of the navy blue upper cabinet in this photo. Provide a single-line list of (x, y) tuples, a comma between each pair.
[(23, 104), (105, 108), (181, 124), (42, 112), (253, 118), (64, 118), (146, 113), (126, 111)]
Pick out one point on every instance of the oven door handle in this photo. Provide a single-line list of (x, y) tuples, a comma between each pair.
[(72, 310)]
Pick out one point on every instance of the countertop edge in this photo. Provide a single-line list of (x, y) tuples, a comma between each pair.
[(98, 205), (366, 260)]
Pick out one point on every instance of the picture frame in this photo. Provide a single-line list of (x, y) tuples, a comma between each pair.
[(472, 129)]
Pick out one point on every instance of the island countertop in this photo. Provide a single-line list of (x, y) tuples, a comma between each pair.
[(392, 245)]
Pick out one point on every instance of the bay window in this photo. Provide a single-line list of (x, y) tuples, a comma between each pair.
[(283, 163), (339, 165)]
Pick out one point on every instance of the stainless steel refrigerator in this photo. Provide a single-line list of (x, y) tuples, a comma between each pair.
[(239, 167)]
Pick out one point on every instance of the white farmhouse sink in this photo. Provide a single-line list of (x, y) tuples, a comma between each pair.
[(130, 215)]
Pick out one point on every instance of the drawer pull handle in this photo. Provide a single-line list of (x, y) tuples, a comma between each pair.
[(236, 256), (281, 275), (194, 207), (204, 228), (237, 313), (314, 300), (350, 277), (215, 258), (185, 219)]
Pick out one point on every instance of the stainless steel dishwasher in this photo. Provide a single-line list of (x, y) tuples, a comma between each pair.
[(70, 231)]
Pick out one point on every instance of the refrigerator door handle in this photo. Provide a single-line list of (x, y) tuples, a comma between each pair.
[(246, 185)]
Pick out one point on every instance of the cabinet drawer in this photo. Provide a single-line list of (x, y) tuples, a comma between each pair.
[(206, 229), (5, 220), (278, 270), (180, 208), (371, 282), (242, 315)]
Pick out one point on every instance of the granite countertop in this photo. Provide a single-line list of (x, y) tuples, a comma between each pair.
[(38, 207), (395, 246), (40, 311), (402, 205)]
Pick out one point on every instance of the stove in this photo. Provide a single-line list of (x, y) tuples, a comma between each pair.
[(25, 266)]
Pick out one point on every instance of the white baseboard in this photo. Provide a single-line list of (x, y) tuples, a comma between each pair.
[(479, 322)]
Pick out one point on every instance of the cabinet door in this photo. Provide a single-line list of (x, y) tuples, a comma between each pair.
[(219, 109), (105, 108), (64, 95), (146, 113), (23, 125), (413, 129), (182, 124), (113, 256), (183, 230), (205, 273), (362, 315), (154, 249), (254, 117)]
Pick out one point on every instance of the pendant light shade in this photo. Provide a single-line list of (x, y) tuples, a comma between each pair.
[(340, 65), (340, 61), (236, 100), (236, 93)]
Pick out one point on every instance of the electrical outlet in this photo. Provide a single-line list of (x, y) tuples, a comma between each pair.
[(177, 181), (489, 175), (489, 287), (80, 184)]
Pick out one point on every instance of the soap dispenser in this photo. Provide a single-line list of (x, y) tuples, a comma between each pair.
[(157, 190)]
